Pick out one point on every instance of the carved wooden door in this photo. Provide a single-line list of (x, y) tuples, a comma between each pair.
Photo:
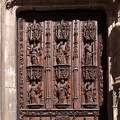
[(60, 67)]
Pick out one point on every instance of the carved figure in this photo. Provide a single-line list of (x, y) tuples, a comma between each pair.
[(34, 92), (62, 91), (89, 93), (88, 53), (61, 53), (34, 53)]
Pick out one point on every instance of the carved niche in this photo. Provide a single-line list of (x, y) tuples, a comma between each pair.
[(62, 67), (34, 66), (89, 64)]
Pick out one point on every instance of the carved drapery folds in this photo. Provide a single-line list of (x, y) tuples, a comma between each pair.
[(60, 67)]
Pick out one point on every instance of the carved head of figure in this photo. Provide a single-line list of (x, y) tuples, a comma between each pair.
[(62, 81), (34, 60), (33, 83)]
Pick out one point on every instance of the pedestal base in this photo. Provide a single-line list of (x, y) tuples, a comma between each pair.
[(62, 105)]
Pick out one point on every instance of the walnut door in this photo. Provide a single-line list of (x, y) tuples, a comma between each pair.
[(61, 66)]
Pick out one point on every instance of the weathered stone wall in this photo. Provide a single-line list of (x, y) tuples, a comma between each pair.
[(8, 64)]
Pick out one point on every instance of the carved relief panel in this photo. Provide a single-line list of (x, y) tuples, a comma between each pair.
[(60, 70)]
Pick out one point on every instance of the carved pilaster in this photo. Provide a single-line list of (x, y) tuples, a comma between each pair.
[(76, 66), (48, 65)]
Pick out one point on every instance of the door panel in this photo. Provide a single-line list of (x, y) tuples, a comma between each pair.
[(60, 68)]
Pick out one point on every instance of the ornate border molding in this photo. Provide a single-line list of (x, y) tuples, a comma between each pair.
[(43, 113)]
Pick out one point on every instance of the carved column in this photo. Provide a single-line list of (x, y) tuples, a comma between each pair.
[(48, 65), (76, 65)]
